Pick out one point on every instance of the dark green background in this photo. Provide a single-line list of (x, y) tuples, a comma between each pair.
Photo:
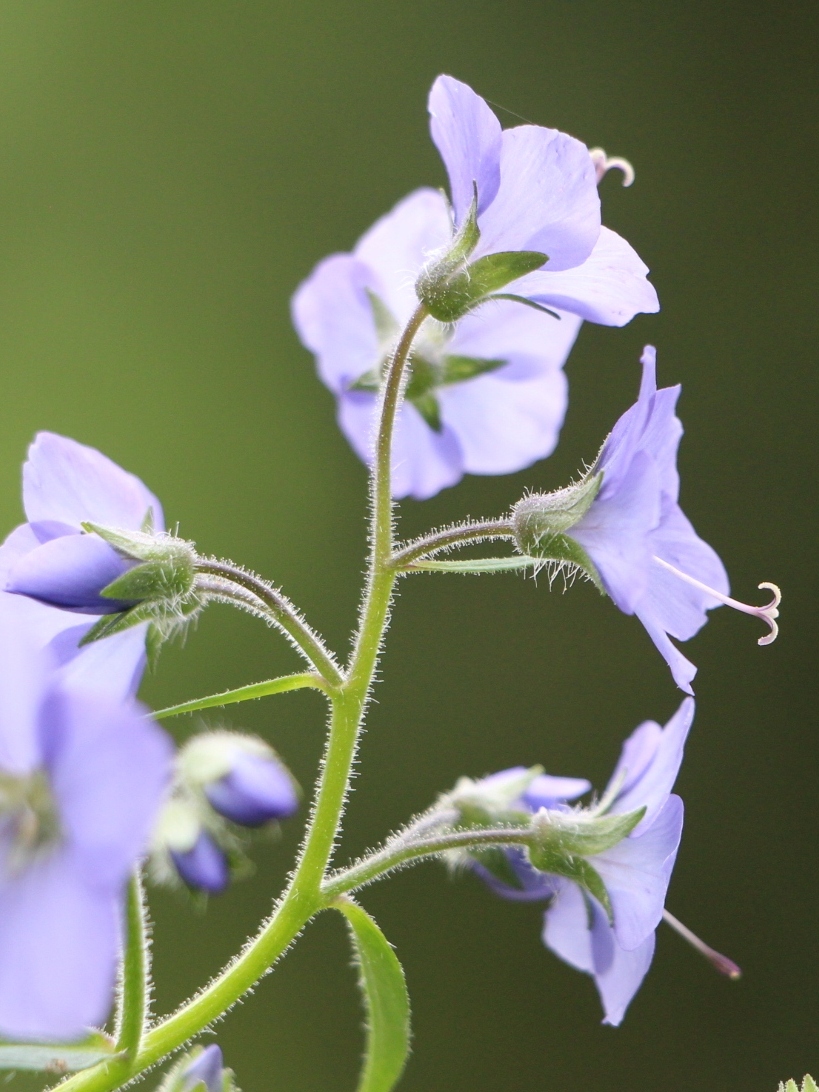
[(168, 174)]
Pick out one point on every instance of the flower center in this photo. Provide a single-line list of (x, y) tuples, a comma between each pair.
[(29, 822)]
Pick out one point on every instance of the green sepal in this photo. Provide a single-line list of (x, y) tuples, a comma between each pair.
[(808, 1085), (110, 624), (57, 1058), (429, 408), (457, 369), (452, 296), (386, 1000), (578, 832), (154, 640), (496, 862), (541, 522), (163, 579), (386, 324), (527, 303), (139, 545)]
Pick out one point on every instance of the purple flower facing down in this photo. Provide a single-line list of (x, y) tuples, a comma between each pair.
[(58, 571), (635, 872), (207, 1069), (256, 790), (82, 776), (487, 396), (649, 558)]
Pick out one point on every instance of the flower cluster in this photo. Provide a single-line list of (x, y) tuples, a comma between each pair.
[(489, 395)]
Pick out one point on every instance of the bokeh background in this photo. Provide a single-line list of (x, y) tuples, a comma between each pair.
[(169, 172)]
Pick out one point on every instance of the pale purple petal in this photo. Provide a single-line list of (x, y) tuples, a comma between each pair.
[(113, 667), (533, 886), (424, 461), (58, 951), (203, 866), (547, 200), (504, 330), (468, 136), (678, 606), (110, 768), (650, 760), (636, 873), (72, 483), (682, 670), (609, 287), (619, 973), (70, 572), (333, 317), (398, 246), (503, 425), (545, 791), (24, 670), (566, 928), (615, 531)]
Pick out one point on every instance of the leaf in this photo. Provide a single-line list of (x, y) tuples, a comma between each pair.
[(55, 1057), (385, 998)]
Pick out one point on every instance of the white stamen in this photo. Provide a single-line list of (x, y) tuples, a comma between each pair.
[(604, 163), (767, 614), (722, 963)]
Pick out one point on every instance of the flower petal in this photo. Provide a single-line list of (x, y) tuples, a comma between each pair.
[(58, 951), (70, 572), (547, 200), (566, 928), (334, 319), (636, 873), (110, 768), (398, 246), (545, 791), (504, 330), (503, 425), (113, 667), (72, 483), (468, 136), (424, 462), (682, 670), (609, 287), (651, 759), (24, 672)]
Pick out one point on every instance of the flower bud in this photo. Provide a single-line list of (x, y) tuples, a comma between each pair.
[(183, 847), (201, 1070), (240, 776)]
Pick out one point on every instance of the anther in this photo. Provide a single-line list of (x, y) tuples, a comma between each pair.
[(767, 613), (717, 960), (603, 163)]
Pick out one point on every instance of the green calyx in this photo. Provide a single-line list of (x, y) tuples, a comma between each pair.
[(541, 523), (161, 585), (452, 286), (563, 843)]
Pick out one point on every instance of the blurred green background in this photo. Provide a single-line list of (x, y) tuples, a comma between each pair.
[(169, 172)]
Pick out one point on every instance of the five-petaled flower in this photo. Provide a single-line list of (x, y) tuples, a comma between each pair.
[(635, 872), (82, 776), (58, 571), (488, 395)]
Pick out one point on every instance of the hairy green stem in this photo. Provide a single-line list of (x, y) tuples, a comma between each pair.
[(265, 689), (389, 858), (462, 535), (135, 972), (281, 612), (348, 695)]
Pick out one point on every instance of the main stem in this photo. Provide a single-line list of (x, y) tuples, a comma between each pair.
[(303, 897)]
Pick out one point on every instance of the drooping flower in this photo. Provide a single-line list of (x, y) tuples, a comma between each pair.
[(488, 395), (615, 947), (59, 571), (82, 776), (642, 548)]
